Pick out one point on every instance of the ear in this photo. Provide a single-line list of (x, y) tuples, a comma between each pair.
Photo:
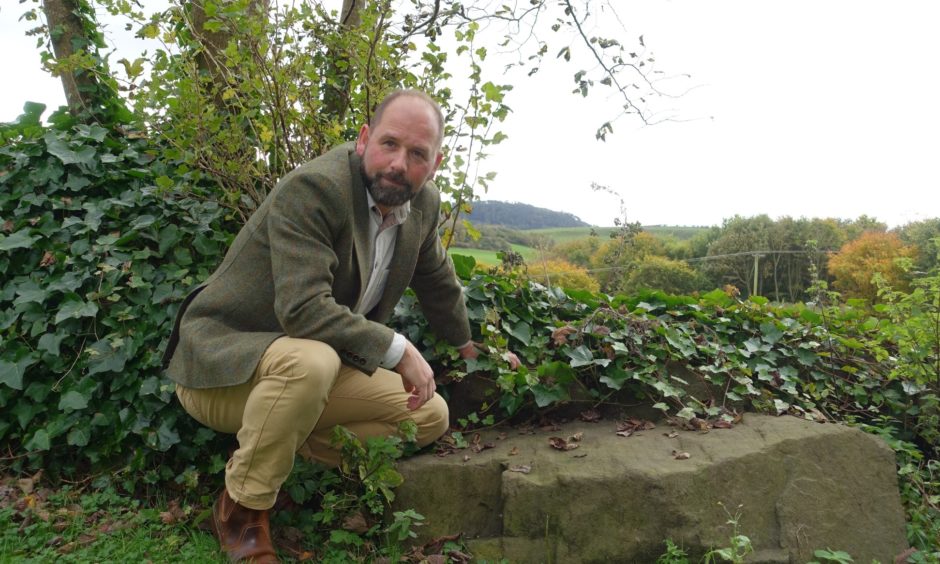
[(362, 140), (437, 163)]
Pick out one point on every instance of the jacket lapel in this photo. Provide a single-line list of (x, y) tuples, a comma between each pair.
[(362, 244)]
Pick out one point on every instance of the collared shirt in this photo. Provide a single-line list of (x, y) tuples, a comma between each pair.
[(383, 231)]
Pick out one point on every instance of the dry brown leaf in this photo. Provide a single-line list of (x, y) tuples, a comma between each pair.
[(591, 416), (561, 444), (522, 469), (576, 437), (700, 424), (722, 424), (466, 458), (356, 523), (8, 225), (560, 335), (513, 451), (679, 455), (672, 434), (47, 259), (624, 433)]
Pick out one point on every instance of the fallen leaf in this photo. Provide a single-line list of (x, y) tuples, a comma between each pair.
[(356, 523), (561, 444), (522, 469), (722, 424), (576, 437), (700, 424), (514, 451), (502, 435), (624, 433), (466, 458), (678, 455), (633, 425), (560, 335), (8, 225), (47, 259), (591, 416), (672, 434)]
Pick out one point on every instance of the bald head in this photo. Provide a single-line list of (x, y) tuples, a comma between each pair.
[(396, 94)]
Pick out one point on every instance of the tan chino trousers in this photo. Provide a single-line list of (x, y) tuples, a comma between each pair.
[(298, 393)]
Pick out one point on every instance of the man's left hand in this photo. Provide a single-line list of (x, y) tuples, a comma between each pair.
[(471, 350)]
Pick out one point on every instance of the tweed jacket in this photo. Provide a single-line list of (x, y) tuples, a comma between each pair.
[(299, 267)]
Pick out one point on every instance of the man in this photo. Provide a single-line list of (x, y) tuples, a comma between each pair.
[(287, 338)]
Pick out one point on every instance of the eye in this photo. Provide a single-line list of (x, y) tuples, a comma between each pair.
[(418, 154)]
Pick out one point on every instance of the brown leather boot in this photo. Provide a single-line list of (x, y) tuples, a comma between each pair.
[(244, 534)]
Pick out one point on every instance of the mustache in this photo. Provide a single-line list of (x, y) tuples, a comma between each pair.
[(396, 177)]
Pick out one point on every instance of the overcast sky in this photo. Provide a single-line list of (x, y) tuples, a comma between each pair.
[(801, 108)]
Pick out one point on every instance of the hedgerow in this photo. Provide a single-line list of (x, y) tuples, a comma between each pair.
[(101, 238)]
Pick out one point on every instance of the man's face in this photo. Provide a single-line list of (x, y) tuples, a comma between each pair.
[(400, 153)]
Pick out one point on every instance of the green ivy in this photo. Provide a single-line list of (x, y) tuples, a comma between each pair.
[(100, 241)]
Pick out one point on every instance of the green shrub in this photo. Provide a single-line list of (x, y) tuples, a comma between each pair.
[(100, 241)]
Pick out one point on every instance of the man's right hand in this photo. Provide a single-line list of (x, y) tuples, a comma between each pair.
[(416, 376)]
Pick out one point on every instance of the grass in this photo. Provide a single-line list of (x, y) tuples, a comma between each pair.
[(42, 525), (488, 258)]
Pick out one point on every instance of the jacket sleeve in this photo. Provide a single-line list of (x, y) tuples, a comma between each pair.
[(311, 237), (436, 285)]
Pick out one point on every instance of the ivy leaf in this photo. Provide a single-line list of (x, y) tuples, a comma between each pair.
[(521, 331), (75, 309), (78, 437), (770, 333), (18, 240), (11, 373), (545, 395), (102, 357), (39, 441), (60, 149), (73, 400), (580, 356), (464, 266)]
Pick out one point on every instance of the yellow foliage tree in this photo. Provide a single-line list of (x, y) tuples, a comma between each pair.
[(554, 272), (853, 267)]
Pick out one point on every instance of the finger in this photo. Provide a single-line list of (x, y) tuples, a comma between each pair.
[(414, 402)]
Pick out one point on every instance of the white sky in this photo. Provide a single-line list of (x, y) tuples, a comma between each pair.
[(802, 108)]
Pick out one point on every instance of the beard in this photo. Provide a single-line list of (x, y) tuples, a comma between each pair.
[(385, 194)]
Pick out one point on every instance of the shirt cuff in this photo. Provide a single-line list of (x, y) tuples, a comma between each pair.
[(394, 353)]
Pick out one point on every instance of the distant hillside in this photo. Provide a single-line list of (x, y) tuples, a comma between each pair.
[(521, 216)]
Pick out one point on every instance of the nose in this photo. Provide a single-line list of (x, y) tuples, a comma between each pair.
[(399, 161)]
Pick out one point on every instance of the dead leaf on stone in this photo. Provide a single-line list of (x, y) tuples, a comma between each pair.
[(522, 469), (722, 424), (526, 430), (477, 445), (591, 416), (680, 455), (624, 433), (513, 451), (576, 437), (633, 425), (356, 523), (502, 435), (700, 424), (466, 458), (561, 444), (436, 559), (560, 335), (672, 434)]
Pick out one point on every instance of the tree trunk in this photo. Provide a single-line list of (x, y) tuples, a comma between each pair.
[(336, 93), (65, 31)]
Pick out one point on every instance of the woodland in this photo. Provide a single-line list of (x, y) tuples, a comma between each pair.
[(114, 206)]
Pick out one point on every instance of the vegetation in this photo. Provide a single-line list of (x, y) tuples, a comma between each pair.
[(521, 216), (116, 208)]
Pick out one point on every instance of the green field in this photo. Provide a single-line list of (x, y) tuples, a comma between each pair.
[(488, 257), (565, 234)]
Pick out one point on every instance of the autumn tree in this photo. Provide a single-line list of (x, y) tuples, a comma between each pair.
[(858, 261)]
